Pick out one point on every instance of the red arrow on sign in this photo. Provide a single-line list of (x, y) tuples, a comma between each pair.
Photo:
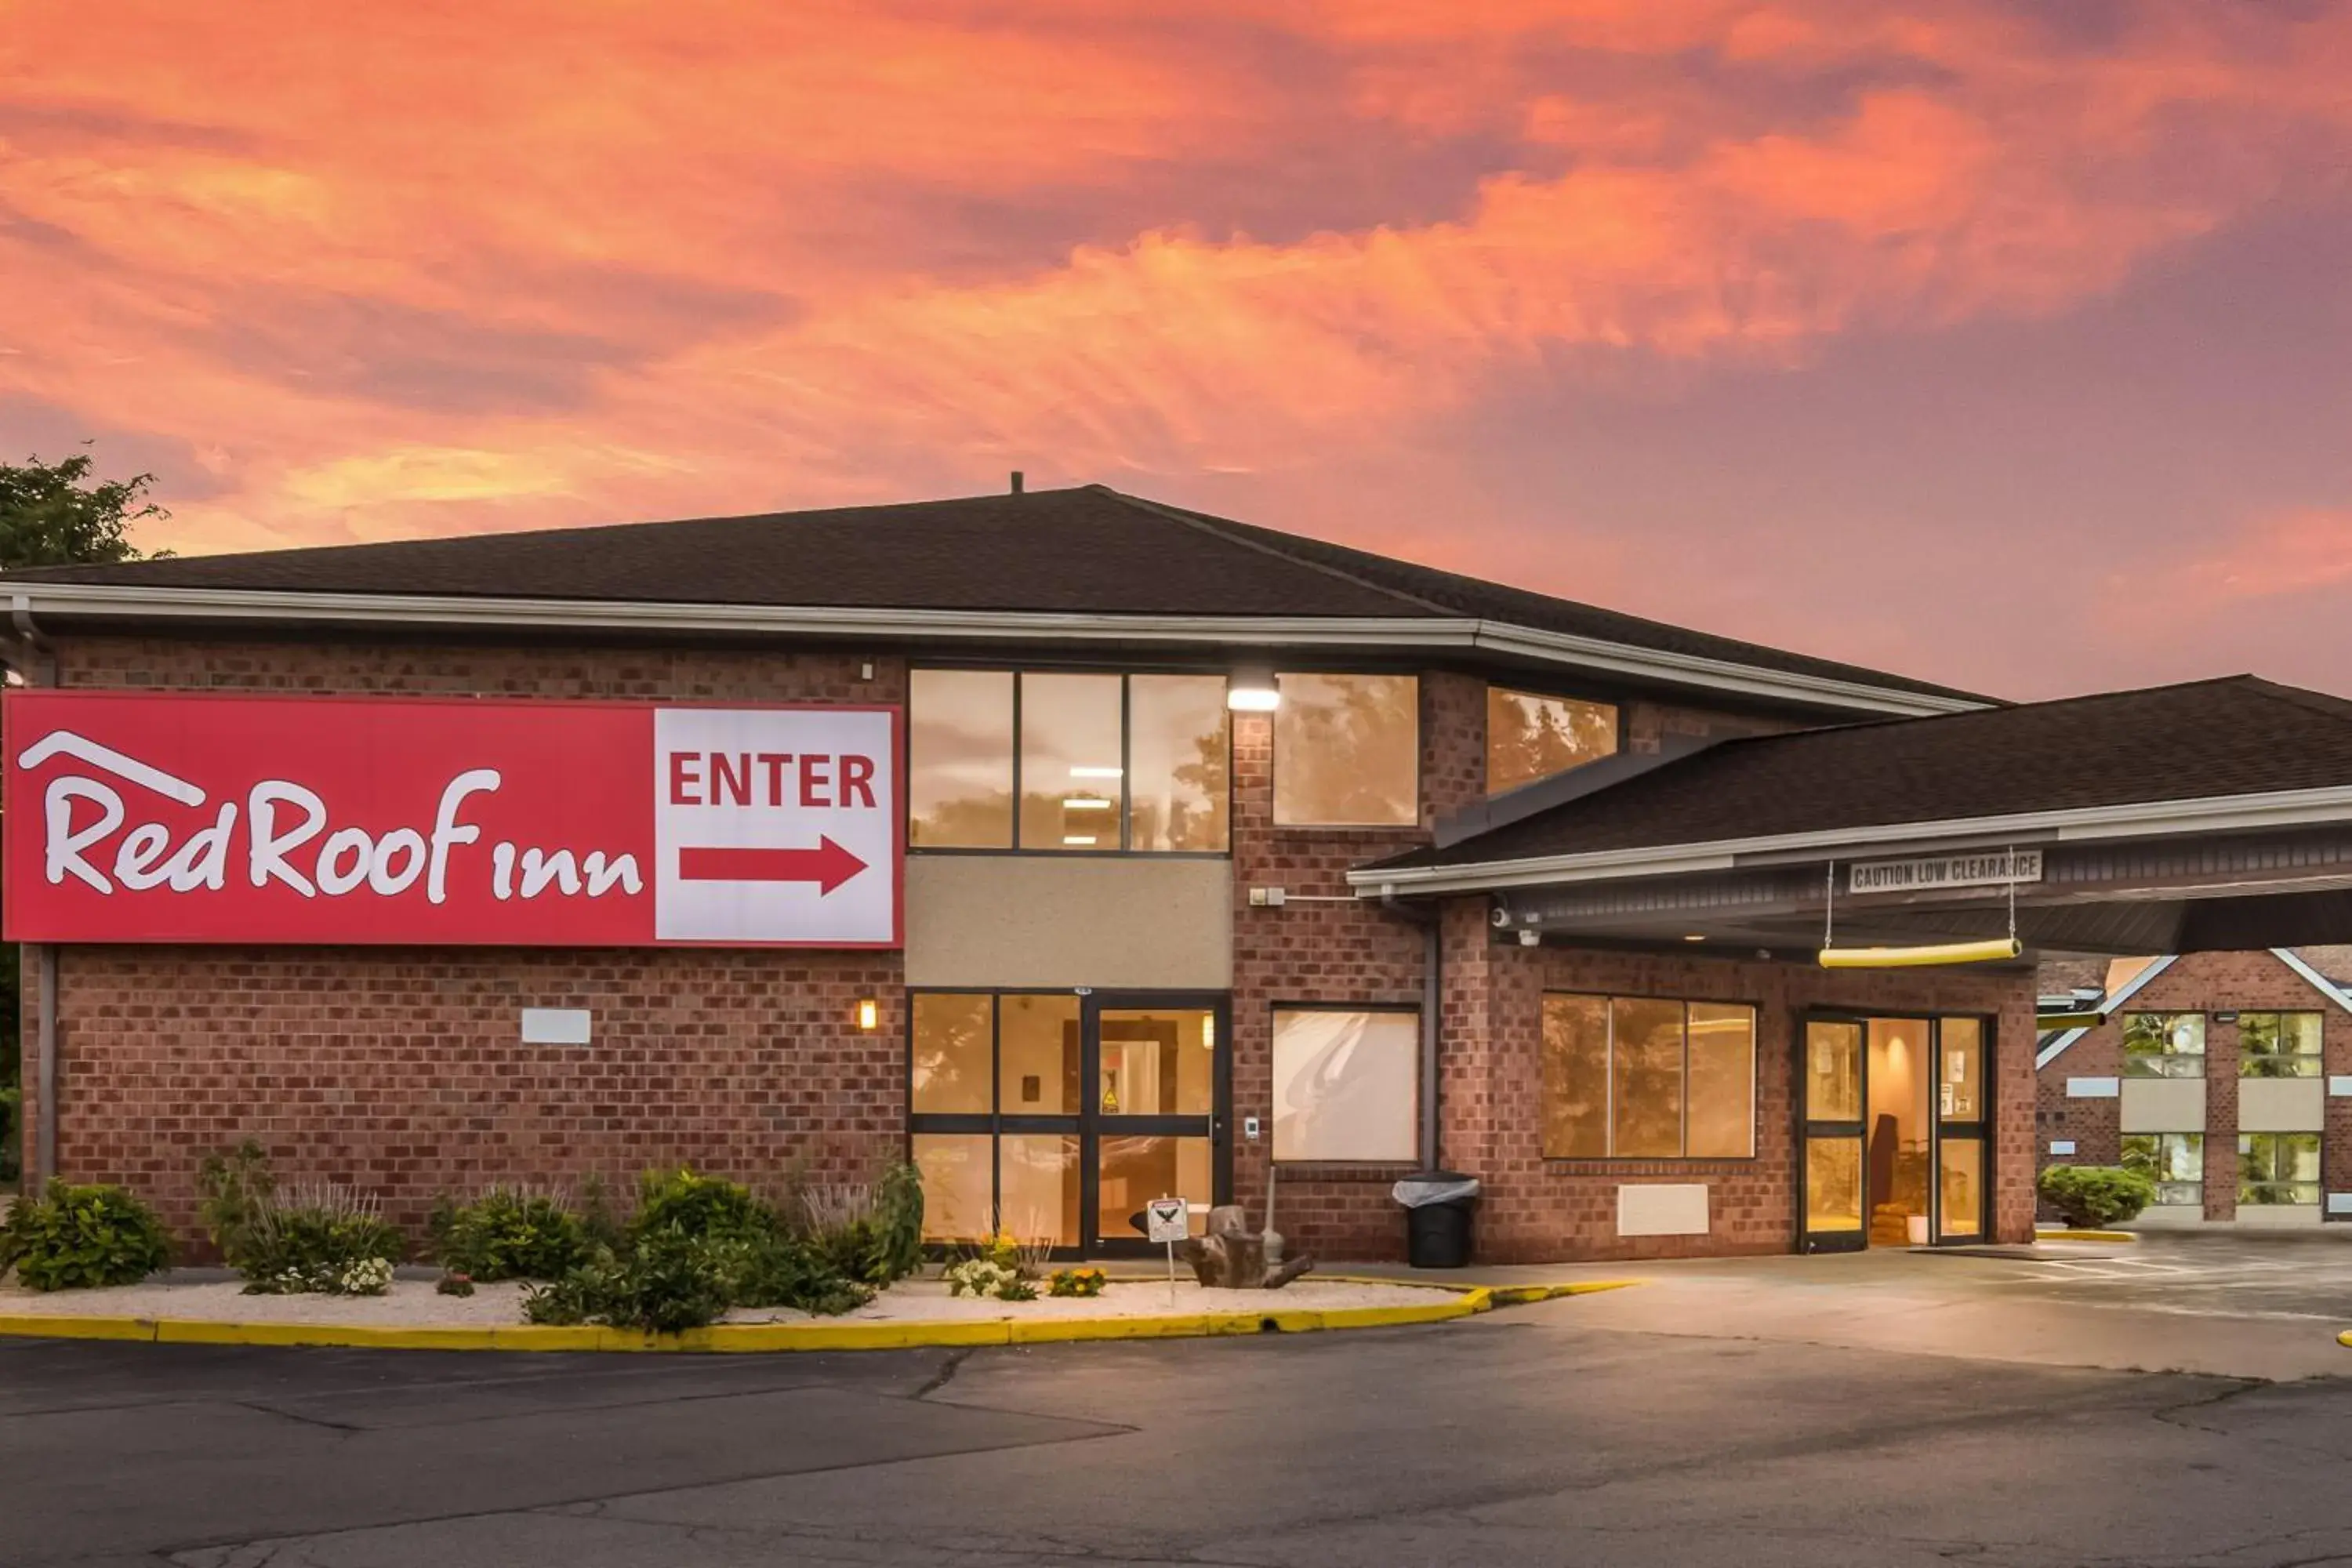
[(828, 865)]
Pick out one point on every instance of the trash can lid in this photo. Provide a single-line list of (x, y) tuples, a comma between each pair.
[(1424, 1188)]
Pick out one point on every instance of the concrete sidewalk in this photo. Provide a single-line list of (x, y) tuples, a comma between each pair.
[(2264, 1309)]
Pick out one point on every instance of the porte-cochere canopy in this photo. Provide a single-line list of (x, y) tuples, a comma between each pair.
[(2212, 814)]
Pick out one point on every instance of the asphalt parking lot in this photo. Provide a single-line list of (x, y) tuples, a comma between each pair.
[(1718, 1416)]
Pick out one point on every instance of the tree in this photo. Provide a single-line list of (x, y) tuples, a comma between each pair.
[(54, 514)]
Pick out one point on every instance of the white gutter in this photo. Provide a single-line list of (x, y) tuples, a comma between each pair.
[(1412, 632), (2211, 814), (2057, 1048)]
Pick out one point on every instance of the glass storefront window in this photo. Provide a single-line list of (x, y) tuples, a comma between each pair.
[(2164, 1045), (1134, 1171), (2278, 1168), (1347, 751), (1037, 1049), (1532, 737), (2278, 1045), (1959, 1071), (1832, 1183), (1346, 1084), (959, 1184), (953, 1044), (1070, 763), (1644, 1078), (1961, 1192), (959, 759), (1038, 1174), (1178, 767), (2175, 1161), (1157, 1063)]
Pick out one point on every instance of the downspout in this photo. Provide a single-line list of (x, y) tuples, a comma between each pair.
[(39, 667)]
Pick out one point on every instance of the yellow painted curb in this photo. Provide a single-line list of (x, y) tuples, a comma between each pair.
[(741, 1338), (2062, 1233)]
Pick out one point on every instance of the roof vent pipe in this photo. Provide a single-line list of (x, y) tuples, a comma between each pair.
[(1016, 481)]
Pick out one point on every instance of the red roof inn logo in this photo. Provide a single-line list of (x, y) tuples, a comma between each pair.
[(389, 820)]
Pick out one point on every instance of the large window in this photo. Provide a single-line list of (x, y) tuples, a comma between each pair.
[(2278, 1168), (1346, 1084), (1096, 762), (2164, 1045), (2175, 1161), (1532, 737), (1347, 751), (1639, 1079), (2278, 1045)]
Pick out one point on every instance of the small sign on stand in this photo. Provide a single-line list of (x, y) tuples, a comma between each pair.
[(1167, 1220)]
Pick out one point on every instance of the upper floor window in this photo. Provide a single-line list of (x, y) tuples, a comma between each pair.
[(1532, 737), (2164, 1045), (2278, 1045), (1347, 751), (1096, 763)]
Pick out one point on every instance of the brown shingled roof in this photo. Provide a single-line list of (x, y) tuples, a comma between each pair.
[(1088, 550), (2236, 735)]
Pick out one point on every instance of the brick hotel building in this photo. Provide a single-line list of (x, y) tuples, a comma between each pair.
[(1197, 858)]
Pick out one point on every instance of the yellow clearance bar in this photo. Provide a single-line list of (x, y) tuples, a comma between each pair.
[(1913, 957)]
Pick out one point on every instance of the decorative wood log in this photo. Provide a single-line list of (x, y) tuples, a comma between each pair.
[(1232, 1256)]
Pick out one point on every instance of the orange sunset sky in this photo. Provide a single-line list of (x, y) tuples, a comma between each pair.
[(1998, 342)]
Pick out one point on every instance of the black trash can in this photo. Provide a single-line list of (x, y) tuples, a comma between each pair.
[(1438, 1206)]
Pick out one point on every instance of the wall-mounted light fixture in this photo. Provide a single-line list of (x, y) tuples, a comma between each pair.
[(1251, 688), (869, 1013)]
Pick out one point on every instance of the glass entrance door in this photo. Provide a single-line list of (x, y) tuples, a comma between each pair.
[(1831, 1098), (1895, 1133), (1057, 1115), (1159, 1079)]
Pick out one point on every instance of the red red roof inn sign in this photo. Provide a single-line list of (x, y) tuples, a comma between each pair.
[(195, 818)]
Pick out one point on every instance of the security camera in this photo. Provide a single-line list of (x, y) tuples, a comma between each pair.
[(1500, 916), (1529, 937)]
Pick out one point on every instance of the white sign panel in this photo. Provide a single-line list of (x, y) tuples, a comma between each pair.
[(1167, 1220), (776, 825), (1978, 870)]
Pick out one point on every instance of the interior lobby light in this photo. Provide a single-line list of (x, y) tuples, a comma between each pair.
[(1085, 803), (1087, 772), (1251, 688)]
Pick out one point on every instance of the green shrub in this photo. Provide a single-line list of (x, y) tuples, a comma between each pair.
[(699, 1206), (233, 1184), (509, 1233), (872, 1235), (308, 1236), (2090, 1196), (75, 1237), (789, 1271), (669, 1281)]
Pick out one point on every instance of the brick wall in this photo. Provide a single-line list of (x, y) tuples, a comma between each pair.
[(1538, 1209), (2254, 982), (402, 1069)]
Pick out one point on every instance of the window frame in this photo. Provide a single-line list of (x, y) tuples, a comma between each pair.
[(2123, 1158), (1755, 1092), (1420, 1086), (2316, 1055), (2202, 1057), (1126, 849), (1617, 711), (2317, 1184), (1420, 757)]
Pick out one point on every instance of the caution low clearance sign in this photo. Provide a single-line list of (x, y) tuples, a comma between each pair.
[(197, 818)]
